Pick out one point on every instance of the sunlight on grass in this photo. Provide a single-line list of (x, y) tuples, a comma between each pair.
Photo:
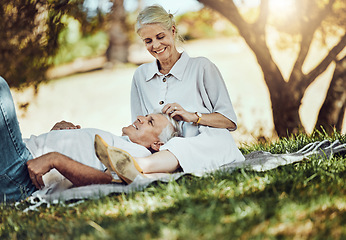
[(301, 221), (148, 202), (305, 200)]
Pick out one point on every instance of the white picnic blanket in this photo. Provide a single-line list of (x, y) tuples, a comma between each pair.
[(255, 161)]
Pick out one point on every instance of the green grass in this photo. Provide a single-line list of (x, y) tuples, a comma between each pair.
[(305, 200)]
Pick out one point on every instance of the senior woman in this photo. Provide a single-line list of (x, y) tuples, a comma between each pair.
[(188, 89)]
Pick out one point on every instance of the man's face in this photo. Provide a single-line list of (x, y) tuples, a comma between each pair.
[(146, 130)]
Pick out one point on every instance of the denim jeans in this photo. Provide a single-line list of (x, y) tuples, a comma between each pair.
[(15, 183)]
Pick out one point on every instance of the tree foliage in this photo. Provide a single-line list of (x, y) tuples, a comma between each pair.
[(204, 23), (29, 36), (309, 17)]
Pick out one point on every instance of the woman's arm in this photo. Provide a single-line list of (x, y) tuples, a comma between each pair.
[(208, 119), (215, 95), (78, 173), (216, 120)]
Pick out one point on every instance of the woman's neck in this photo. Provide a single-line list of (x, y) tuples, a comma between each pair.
[(166, 66)]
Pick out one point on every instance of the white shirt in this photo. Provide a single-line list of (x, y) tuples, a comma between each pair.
[(197, 85), (78, 144), (194, 83)]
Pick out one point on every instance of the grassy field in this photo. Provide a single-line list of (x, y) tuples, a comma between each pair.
[(300, 201)]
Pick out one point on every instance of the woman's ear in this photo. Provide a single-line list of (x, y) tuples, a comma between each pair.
[(156, 146), (173, 30)]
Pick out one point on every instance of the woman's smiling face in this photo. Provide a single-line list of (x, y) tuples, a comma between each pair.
[(158, 41)]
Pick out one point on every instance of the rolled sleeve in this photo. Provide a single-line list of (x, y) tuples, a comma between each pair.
[(215, 92)]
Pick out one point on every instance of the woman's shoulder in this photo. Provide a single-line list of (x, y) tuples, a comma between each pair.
[(203, 61), (201, 64), (144, 69)]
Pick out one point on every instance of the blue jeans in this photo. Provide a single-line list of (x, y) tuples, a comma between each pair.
[(15, 183)]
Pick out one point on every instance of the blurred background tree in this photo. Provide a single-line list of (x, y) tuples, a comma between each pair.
[(37, 34), (205, 23), (307, 21), (117, 50), (29, 32)]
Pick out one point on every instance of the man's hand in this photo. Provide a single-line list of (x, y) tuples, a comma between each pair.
[(37, 167), (65, 125)]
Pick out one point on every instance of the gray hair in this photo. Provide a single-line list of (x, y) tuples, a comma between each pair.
[(156, 14), (171, 130)]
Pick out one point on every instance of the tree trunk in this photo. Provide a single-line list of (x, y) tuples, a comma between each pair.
[(285, 96), (286, 114), (331, 115), (118, 35), (285, 101)]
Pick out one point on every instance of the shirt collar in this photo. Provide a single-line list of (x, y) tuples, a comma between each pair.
[(126, 138), (177, 70)]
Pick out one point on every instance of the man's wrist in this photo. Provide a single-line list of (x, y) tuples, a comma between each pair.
[(54, 160)]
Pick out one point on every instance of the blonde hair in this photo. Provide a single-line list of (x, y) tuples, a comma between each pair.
[(156, 14)]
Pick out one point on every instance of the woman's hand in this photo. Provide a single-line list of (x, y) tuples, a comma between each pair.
[(177, 112), (65, 125)]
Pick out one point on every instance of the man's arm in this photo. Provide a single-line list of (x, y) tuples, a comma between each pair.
[(78, 173)]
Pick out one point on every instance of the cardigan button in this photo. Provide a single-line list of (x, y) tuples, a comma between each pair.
[(164, 80), (161, 102)]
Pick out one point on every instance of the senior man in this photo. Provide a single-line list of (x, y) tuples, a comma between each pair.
[(23, 162)]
